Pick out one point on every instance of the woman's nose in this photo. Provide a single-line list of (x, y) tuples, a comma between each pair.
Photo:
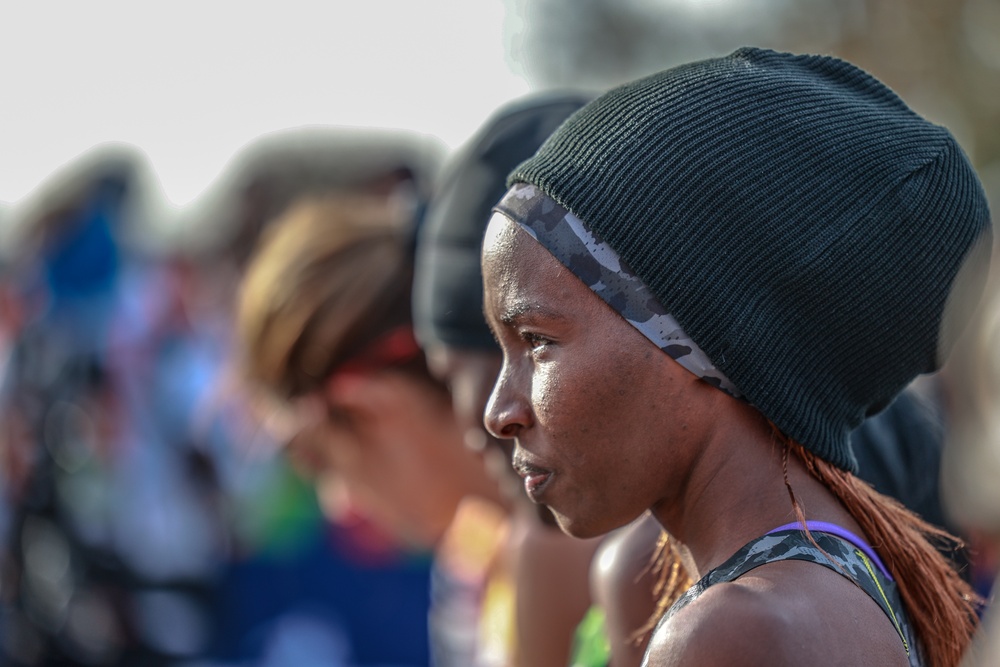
[(507, 411)]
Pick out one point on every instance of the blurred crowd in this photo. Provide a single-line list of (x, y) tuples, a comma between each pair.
[(146, 516)]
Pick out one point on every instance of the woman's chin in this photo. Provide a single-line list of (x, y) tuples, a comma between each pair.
[(574, 527)]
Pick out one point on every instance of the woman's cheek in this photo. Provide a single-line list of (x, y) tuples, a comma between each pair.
[(556, 393), (544, 393)]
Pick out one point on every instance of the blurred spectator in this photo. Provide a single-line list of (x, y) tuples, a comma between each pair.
[(297, 580), (324, 327), (971, 467), (115, 541)]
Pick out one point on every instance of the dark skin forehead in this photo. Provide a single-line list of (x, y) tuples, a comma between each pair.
[(527, 292)]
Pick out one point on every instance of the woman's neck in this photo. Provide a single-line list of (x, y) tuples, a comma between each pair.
[(738, 489)]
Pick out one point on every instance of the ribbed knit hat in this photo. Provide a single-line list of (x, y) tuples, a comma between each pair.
[(448, 285), (801, 223)]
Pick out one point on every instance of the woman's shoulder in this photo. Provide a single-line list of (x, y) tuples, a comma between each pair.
[(739, 622), (783, 613)]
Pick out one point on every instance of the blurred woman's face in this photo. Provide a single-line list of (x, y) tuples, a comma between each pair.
[(470, 375), (395, 448)]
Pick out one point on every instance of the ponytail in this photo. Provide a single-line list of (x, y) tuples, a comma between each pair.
[(942, 607)]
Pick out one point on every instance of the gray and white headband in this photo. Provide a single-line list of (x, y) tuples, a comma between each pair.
[(598, 266)]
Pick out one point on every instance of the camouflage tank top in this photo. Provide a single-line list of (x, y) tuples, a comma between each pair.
[(851, 558)]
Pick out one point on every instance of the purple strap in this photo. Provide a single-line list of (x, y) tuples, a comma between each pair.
[(843, 533)]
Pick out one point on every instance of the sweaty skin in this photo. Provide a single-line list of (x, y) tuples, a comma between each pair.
[(606, 426), (587, 399)]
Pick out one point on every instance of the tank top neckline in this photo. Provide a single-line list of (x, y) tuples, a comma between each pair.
[(841, 532)]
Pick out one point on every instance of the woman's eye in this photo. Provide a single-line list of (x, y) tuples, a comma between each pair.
[(534, 340)]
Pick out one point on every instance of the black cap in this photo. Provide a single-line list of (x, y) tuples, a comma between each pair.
[(448, 287)]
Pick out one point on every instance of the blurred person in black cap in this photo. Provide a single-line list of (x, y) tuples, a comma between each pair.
[(544, 572)]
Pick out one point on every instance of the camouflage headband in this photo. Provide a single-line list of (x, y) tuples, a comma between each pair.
[(597, 264)]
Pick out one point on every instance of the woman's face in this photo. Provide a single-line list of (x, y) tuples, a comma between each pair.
[(470, 375), (394, 447), (599, 416)]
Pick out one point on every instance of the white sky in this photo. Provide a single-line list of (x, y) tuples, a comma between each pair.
[(189, 83)]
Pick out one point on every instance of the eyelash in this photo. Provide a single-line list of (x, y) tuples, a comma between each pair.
[(534, 340)]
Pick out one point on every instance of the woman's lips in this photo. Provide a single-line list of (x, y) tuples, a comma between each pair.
[(536, 478), (535, 483)]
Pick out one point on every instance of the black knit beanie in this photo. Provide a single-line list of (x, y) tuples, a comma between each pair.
[(448, 287), (801, 223)]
